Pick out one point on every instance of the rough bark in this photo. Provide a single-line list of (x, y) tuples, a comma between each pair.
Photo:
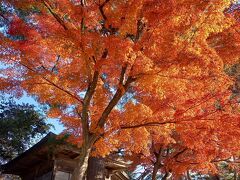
[(96, 169), (214, 177), (165, 177), (188, 175), (82, 165), (154, 174), (89, 139), (156, 165), (235, 175), (80, 171)]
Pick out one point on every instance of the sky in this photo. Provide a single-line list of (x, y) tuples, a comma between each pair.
[(57, 126)]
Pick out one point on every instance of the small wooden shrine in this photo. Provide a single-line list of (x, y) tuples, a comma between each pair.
[(52, 159)]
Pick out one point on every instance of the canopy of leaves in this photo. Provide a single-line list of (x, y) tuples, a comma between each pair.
[(142, 75), (20, 125)]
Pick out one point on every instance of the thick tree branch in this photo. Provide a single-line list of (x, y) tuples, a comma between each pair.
[(87, 99), (101, 9), (59, 20), (161, 123), (120, 91), (86, 102), (123, 71), (146, 125), (140, 29), (179, 153), (196, 118), (157, 164)]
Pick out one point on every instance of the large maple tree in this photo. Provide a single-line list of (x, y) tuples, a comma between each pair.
[(130, 74)]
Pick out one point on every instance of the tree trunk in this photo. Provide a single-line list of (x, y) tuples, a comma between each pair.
[(235, 177), (214, 177), (157, 164), (165, 177), (155, 170), (80, 172), (188, 175), (96, 169), (82, 164)]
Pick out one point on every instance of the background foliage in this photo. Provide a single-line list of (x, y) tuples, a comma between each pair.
[(20, 125)]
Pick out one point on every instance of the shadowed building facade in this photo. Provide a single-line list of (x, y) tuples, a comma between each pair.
[(54, 159)]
